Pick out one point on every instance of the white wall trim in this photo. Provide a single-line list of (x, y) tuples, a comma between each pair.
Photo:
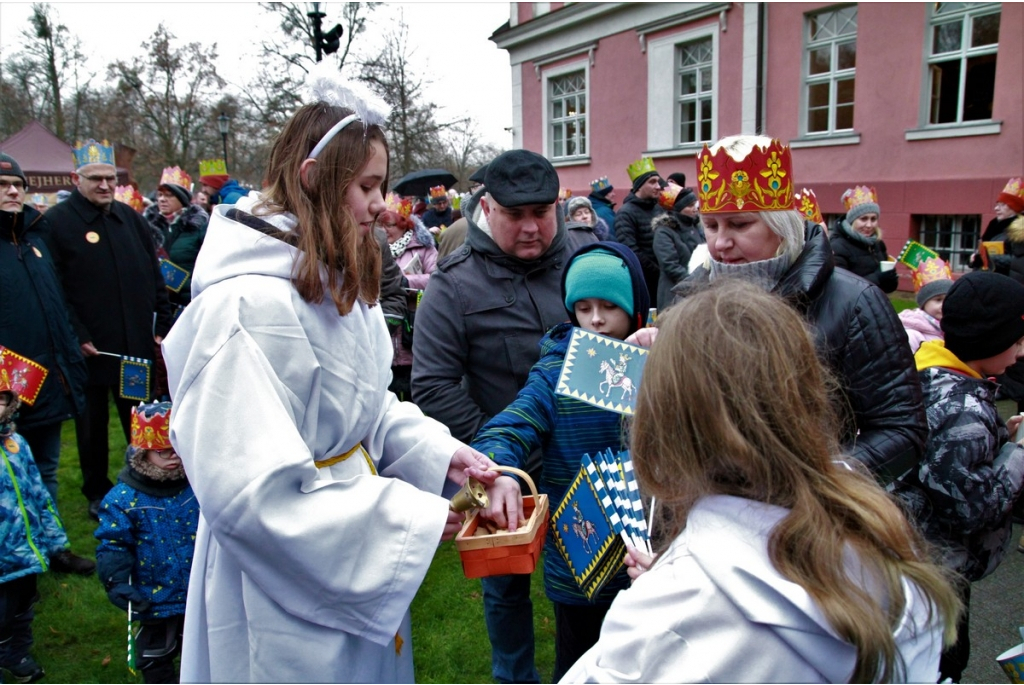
[(513, 15), (661, 94), (517, 106), (985, 128), (748, 106)]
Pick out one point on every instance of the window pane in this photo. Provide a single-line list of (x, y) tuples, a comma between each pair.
[(583, 136), (817, 120), (820, 60), (948, 7), (581, 102), (687, 123), (556, 109), (559, 149), (844, 117), (817, 95), (570, 139), (847, 58), (946, 37), (985, 30), (945, 96), (570, 106), (705, 80), (844, 92), (980, 87), (705, 119), (688, 83)]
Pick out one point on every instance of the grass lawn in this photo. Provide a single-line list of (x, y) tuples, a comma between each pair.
[(82, 638)]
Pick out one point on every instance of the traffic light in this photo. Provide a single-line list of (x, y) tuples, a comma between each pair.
[(331, 41), (324, 43)]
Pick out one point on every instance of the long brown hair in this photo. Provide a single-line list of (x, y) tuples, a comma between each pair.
[(735, 402), (327, 233)]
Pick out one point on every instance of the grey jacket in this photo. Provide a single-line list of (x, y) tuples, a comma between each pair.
[(482, 319)]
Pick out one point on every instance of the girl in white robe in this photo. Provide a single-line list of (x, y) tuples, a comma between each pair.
[(780, 563), (320, 491)]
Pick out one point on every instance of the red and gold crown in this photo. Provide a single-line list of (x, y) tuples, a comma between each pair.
[(929, 270), (806, 202), (760, 182), (1013, 195), (21, 375), (859, 195), (437, 192), (151, 425), (130, 196), (177, 176), (398, 205), (667, 196)]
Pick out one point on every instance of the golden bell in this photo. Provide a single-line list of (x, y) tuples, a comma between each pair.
[(471, 496)]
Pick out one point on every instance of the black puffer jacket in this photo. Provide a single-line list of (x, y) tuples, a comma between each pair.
[(34, 319), (862, 257), (633, 229), (675, 237), (181, 241), (860, 339)]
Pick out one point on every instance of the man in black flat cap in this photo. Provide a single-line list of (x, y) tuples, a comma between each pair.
[(487, 307)]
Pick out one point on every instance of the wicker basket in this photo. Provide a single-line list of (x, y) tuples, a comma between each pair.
[(504, 553)]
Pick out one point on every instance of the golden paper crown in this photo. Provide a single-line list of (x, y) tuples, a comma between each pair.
[(668, 195), (599, 184), (151, 424), (437, 192), (932, 269), (398, 205), (176, 176), (806, 202), (1014, 187), (564, 194), (213, 167), (640, 167), (92, 152), (760, 182), (859, 195), (130, 196)]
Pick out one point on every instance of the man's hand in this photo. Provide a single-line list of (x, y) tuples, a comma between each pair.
[(89, 350)]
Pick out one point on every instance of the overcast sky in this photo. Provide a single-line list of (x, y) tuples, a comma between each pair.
[(449, 42)]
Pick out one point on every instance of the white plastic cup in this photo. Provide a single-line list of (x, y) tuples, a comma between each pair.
[(887, 265)]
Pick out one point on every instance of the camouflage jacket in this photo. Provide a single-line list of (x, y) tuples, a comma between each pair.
[(965, 488)]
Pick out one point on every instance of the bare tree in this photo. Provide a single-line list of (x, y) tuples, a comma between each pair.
[(465, 151)]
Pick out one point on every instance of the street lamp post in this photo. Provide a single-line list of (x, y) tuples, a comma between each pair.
[(323, 43), (224, 123)]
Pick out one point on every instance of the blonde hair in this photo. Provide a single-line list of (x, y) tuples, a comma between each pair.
[(735, 402), (327, 232)]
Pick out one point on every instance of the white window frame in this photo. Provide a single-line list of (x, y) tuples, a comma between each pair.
[(832, 77), (555, 72), (698, 96), (957, 257), (662, 101), (966, 16)]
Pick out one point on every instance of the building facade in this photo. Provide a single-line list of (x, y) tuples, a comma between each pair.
[(924, 102)]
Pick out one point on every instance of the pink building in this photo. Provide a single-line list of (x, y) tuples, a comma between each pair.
[(925, 102)]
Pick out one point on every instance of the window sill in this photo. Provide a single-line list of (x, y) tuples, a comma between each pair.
[(825, 140), (688, 150), (985, 128), (569, 161)]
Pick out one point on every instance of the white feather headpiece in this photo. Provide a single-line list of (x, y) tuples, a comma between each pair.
[(325, 84)]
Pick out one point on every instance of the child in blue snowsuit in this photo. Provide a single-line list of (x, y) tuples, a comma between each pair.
[(604, 291), (147, 536), (30, 531)]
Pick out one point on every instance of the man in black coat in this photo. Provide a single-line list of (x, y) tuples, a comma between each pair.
[(116, 299), (34, 323), (633, 224)]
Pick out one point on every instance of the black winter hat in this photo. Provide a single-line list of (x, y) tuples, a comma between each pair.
[(521, 177), (678, 177), (10, 167), (184, 197), (642, 179), (983, 315), (684, 199)]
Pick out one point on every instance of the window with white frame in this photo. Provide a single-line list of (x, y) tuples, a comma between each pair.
[(954, 237), (963, 41), (831, 64), (694, 91), (567, 115)]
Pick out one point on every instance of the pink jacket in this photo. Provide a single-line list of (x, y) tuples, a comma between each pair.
[(428, 261), (920, 326)]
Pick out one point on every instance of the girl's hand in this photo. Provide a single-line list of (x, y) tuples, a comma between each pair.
[(1013, 423), (644, 337), (637, 562), (467, 462)]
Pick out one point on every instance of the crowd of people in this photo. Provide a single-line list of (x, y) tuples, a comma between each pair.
[(332, 362)]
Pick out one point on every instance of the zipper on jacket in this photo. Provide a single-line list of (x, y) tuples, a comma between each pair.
[(24, 514)]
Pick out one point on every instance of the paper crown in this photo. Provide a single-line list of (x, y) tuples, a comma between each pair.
[(760, 182), (806, 202), (151, 424), (1013, 195), (600, 184), (668, 195), (437, 192), (130, 196), (640, 167), (398, 205), (176, 176), (859, 195), (20, 375), (929, 270), (564, 194), (914, 254), (213, 167), (92, 152)]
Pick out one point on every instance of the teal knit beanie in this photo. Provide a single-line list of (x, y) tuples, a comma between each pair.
[(600, 274)]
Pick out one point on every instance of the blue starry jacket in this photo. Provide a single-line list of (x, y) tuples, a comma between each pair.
[(159, 532)]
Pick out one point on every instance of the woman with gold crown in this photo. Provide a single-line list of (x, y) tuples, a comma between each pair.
[(754, 233), (320, 492), (179, 227)]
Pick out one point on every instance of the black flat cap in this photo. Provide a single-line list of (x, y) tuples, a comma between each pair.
[(479, 175), (521, 177)]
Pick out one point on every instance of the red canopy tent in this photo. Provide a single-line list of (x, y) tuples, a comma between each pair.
[(44, 158)]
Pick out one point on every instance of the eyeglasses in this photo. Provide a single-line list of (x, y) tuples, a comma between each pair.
[(99, 179), (18, 185)]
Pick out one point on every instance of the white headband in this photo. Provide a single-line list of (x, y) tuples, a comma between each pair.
[(331, 133)]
